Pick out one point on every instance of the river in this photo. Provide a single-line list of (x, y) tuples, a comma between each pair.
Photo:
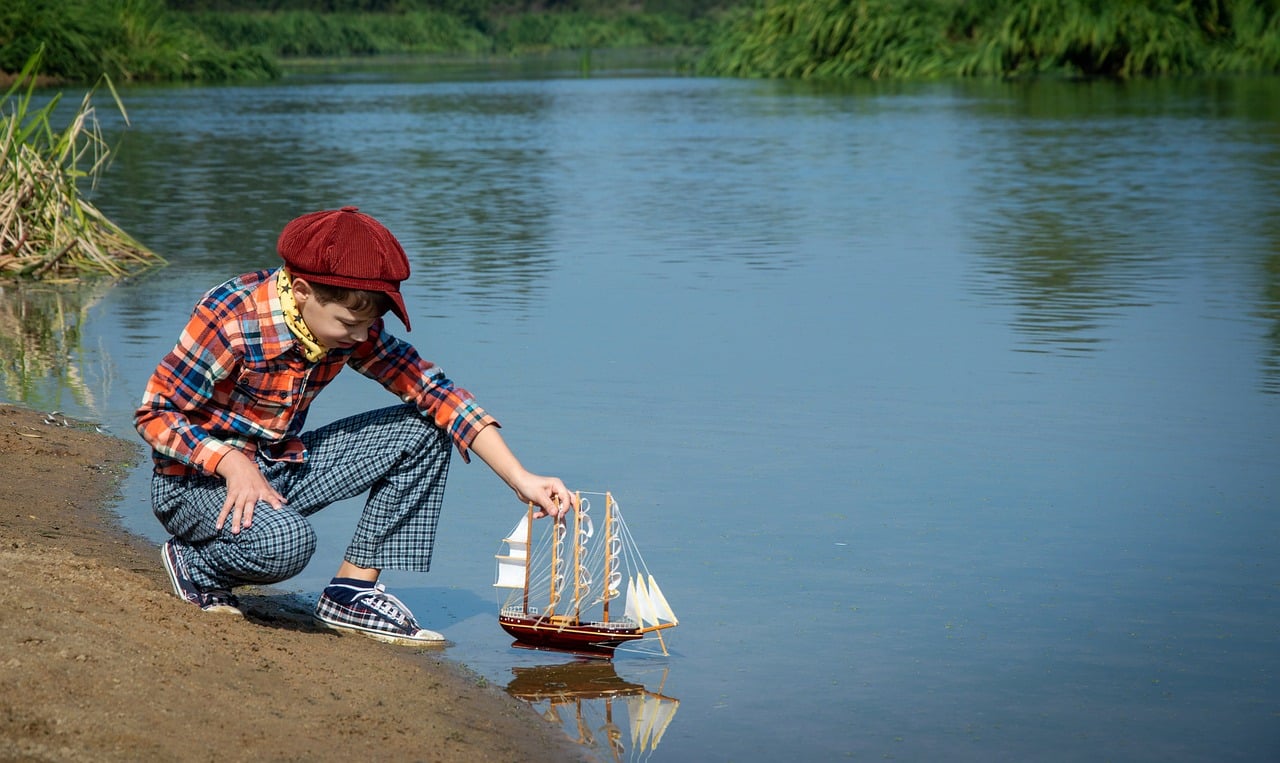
[(948, 414)]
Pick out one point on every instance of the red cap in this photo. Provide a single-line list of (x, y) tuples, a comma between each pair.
[(346, 248)]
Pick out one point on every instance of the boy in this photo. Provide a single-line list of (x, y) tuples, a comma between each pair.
[(236, 477)]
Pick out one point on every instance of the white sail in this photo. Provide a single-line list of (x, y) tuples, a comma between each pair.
[(615, 580), (630, 610), (510, 572), (585, 577), (661, 607), (613, 552), (644, 607), (511, 565), (519, 536)]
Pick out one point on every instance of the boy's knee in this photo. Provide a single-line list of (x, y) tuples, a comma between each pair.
[(286, 547)]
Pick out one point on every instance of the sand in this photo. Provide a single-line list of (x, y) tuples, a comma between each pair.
[(100, 662)]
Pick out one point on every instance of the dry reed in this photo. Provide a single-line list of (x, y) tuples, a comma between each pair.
[(48, 230)]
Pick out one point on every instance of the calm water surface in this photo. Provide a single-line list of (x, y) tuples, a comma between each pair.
[(947, 414)]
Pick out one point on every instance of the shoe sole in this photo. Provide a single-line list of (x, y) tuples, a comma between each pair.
[(434, 639), (223, 609), (218, 609)]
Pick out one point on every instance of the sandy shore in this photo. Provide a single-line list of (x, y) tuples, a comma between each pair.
[(100, 662)]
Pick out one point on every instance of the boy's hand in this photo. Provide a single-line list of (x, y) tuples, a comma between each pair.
[(245, 487), (548, 495)]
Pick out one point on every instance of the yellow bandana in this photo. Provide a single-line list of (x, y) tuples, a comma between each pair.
[(310, 348)]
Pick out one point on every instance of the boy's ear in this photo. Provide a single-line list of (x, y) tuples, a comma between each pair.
[(302, 291)]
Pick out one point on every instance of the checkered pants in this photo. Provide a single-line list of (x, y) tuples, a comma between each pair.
[(400, 458)]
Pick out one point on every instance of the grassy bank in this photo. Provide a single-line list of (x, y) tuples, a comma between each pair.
[(837, 39)]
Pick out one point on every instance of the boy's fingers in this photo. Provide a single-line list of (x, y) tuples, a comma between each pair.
[(558, 507)]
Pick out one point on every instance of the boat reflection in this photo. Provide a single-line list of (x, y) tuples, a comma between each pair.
[(614, 718)]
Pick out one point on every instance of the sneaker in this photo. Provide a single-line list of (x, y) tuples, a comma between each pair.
[(377, 614), (209, 599)]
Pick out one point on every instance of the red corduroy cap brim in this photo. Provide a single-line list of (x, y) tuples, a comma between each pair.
[(346, 248)]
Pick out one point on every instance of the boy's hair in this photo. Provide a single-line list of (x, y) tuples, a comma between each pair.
[(357, 300)]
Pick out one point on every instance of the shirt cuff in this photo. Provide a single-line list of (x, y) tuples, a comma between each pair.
[(466, 432), (208, 454)]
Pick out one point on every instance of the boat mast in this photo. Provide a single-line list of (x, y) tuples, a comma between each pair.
[(608, 548), (528, 520), (577, 562), (555, 563)]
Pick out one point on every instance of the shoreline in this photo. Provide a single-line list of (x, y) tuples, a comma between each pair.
[(101, 662)]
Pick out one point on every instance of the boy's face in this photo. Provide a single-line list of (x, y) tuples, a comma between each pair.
[(333, 324)]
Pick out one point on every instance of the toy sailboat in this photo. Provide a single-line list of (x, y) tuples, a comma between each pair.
[(563, 586)]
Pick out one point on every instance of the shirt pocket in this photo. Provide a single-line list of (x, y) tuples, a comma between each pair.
[(264, 398)]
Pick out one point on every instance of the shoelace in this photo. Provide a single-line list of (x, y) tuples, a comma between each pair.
[(386, 605)]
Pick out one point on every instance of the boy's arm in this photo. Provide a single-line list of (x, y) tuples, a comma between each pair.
[(183, 383), (548, 494)]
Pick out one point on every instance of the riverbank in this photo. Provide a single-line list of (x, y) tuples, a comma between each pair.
[(100, 662)]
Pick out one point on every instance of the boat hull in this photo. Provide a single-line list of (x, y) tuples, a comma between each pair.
[(592, 639)]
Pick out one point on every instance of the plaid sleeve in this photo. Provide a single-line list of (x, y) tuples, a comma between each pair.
[(396, 365), (175, 416)]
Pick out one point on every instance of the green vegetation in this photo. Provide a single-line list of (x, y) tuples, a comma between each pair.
[(315, 35), (292, 33), (833, 39), (48, 230), (215, 40), (125, 39), (224, 40)]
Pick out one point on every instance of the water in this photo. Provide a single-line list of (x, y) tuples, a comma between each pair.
[(946, 413)]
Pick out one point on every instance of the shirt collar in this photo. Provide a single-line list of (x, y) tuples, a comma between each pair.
[(276, 338)]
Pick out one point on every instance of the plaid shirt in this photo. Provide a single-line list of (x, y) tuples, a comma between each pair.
[(236, 379)]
